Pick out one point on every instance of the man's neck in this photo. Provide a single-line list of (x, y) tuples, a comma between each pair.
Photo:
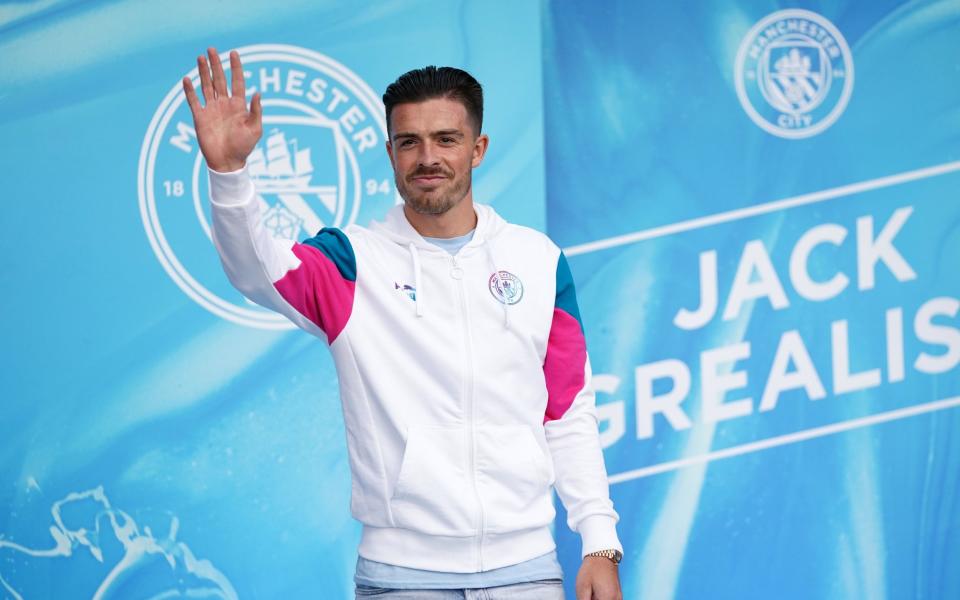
[(459, 220)]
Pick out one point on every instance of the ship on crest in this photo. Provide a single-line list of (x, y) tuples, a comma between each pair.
[(284, 170), (279, 168)]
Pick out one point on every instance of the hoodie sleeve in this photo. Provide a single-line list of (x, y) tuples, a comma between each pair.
[(571, 426), (312, 283)]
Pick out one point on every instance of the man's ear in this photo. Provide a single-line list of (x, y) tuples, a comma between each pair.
[(480, 149)]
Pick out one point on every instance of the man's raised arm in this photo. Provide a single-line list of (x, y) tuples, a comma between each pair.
[(311, 283)]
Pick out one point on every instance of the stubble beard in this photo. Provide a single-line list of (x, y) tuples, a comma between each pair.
[(437, 201)]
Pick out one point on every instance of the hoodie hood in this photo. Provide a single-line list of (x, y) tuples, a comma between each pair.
[(397, 228)]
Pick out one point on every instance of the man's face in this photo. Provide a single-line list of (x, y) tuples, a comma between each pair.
[(433, 149)]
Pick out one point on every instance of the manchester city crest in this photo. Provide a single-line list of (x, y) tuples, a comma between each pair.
[(794, 73), (319, 164), (506, 287)]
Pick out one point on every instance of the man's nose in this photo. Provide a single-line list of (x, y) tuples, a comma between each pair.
[(428, 155)]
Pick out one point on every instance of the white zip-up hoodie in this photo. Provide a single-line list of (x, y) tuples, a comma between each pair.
[(464, 380)]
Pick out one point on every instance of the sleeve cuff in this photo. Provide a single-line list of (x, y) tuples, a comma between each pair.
[(231, 189), (598, 532)]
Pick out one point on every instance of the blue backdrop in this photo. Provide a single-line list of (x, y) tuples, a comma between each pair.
[(760, 205), (758, 201)]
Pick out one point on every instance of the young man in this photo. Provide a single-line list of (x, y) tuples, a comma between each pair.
[(464, 377)]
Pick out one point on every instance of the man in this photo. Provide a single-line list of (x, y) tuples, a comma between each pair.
[(458, 344)]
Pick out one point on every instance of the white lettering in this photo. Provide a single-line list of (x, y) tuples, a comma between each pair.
[(366, 138), (182, 139), (271, 79), (667, 404), (792, 121), (351, 118), (316, 93), (870, 250), (942, 335), (295, 82), (799, 259), (715, 385), (613, 413), (767, 285), (843, 380), (338, 97), (791, 349), (686, 319)]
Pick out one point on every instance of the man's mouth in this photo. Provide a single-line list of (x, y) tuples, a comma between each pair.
[(428, 179)]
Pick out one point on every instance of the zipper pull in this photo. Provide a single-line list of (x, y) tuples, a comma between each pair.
[(456, 272)]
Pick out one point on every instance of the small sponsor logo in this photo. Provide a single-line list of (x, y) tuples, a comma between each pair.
[(407, 290), (506, 287), (320, 164), (794, 73)]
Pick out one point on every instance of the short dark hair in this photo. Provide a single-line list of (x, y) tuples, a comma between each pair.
[(437, 82)]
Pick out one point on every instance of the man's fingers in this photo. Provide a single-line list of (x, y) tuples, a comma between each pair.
[(238, 86), (219, 79), (256, 111), (206, 86), (191, 95)]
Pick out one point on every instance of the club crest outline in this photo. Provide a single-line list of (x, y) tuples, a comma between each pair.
[(794, 73), (320, 163)]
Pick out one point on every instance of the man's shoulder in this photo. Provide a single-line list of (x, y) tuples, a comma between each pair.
[(350, 233), (530, 240)]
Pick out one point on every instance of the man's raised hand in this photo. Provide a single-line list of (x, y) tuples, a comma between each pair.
[(226, 130)]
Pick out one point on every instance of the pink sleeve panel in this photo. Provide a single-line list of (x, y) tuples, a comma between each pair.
[(318, 290), (563, 367)]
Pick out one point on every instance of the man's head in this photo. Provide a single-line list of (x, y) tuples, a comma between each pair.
[(436, 82), (434, 118)]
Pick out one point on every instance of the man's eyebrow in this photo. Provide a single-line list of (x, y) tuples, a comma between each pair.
[(404, 134), (439, 133)]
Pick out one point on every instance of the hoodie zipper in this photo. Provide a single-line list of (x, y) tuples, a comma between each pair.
[(457, 274)]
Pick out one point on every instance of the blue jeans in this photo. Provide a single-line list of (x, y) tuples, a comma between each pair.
[(545, 589)]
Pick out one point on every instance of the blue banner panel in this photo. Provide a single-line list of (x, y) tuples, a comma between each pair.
[(163, 436), (759, 205)]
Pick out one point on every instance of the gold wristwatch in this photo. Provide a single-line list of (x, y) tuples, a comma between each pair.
[(614, 555)]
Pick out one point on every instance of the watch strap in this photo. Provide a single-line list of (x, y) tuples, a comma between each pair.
[(615, 556)]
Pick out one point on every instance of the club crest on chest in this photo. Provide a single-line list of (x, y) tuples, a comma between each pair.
[(506, 287)]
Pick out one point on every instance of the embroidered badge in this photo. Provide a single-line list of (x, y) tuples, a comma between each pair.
[(506, 287)]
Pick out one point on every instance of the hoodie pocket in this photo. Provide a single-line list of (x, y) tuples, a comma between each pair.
[(433, 490), (514, 476)]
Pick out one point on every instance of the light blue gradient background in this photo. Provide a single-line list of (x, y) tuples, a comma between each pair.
[(112, 376), (644, 129), (605, 118)]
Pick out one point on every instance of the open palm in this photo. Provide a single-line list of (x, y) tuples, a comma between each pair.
[(226, 129)]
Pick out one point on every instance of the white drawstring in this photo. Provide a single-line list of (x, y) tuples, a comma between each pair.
[(418, 284), (506, 316), (417, 291)]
